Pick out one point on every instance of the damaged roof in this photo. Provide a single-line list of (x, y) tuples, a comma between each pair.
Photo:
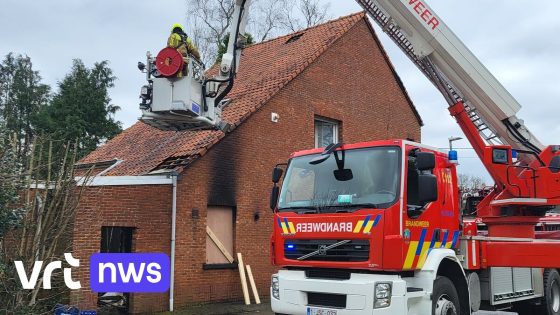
[(264, 70)]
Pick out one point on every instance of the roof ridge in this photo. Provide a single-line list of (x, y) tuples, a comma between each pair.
[(349, 16)]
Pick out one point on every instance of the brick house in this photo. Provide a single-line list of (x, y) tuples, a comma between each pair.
[(332, 82)]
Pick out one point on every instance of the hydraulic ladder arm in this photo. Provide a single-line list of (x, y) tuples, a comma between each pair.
[(453, 69), (485, 111)]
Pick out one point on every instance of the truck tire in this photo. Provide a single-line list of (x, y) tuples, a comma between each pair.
[(445, 300), (551, 305)]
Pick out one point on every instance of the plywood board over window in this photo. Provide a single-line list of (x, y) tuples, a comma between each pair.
[(220, 221)]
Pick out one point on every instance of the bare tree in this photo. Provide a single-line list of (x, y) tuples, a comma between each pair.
[(306, 13), (313, 12), (266, 18), (42, 233), (209, 20), (290, 20), (208, 24), (470, 184)]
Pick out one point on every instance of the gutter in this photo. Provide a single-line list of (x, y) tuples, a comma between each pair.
[(108, 169), (174, 175), (124, 180)]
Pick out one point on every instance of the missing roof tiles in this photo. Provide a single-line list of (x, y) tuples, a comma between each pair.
[(294, 38)]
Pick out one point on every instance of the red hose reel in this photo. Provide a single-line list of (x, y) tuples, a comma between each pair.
[(169, 61)]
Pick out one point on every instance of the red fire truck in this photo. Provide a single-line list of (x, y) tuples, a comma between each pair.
[(376, 227)]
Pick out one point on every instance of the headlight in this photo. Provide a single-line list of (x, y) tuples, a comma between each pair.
[(382, 295), (275, 287)]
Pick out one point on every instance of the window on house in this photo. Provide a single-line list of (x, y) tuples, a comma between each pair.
[(220, 235), (326, 132), (116, 239)]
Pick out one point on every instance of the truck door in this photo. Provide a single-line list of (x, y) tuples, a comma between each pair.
[(430, 219)]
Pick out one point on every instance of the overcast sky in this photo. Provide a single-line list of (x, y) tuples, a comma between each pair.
[(516, 39)]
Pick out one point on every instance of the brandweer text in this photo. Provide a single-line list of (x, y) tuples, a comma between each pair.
[(324, 227), (420, 8)]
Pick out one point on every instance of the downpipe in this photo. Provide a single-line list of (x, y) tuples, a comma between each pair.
[(174, 176)]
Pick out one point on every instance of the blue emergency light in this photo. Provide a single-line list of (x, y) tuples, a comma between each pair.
[(453, 157)]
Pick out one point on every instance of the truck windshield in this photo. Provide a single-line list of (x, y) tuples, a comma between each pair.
[(374, 182)]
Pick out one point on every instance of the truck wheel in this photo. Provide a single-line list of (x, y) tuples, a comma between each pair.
[(551, 292), (445, 300)]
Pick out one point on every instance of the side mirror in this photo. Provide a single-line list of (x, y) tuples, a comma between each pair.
[(274, 197), (277, 174), (425, 161), (427, 188)]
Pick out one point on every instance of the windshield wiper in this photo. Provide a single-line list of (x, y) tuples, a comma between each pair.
[(300, 208), (366, 205), (356, 205), (346, 207)]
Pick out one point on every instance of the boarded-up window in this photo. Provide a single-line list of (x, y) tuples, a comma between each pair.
[(220, 220)]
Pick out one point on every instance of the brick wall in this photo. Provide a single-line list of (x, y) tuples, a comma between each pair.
[(351, 83), (146, 208)]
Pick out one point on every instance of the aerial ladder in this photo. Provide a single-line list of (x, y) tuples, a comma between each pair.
[(521, 166)]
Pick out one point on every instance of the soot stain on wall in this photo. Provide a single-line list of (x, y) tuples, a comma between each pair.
[(222, 182)]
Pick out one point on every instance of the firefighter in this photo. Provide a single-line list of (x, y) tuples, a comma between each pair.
[(180, 41)]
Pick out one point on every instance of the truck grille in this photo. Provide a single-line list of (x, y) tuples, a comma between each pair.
[(355, 250), (328, 300), (333, 274)]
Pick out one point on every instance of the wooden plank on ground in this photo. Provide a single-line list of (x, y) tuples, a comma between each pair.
[(218, 243), (241, 268), (253, 286)]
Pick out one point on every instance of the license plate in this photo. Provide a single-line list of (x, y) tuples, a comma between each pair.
[(320, 311)]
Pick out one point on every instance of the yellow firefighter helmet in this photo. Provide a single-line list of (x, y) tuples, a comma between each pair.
[(179, 26)]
